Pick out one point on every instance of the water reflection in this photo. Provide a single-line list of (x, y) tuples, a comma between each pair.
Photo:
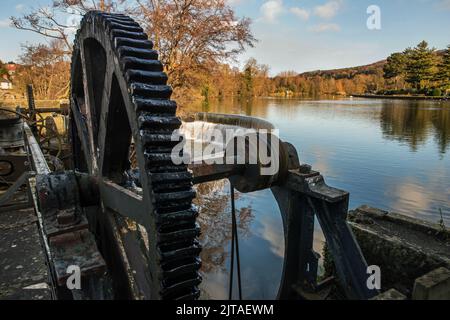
[(414, 122), (388, 154), (215, 216), (260, 240), (410, 122)]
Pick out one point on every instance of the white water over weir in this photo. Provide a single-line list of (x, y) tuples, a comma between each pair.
[(214, 131)]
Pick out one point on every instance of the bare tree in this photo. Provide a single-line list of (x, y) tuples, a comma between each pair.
[(45, 67), (54, 21), (192, 36)]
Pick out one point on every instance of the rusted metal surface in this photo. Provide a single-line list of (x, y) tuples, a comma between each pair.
[(123, 201), (13, 159), (75, 248), (7, 200), (23, 267), (11, 132), (32, 108), (38, 162), (62, 227), (63, 110), (65, 227), (12, 166), (204, 172), (22, 258)]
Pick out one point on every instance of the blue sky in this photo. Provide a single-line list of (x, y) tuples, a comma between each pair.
[(303, 35)]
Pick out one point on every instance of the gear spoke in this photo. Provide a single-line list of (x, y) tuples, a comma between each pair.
[(103, 115)]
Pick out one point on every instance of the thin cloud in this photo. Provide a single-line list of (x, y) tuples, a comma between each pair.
[(20, 7), (233, 2), (271, 10), (5, 23), (444, 4), (325, 27), (301, 13), (328, 10)]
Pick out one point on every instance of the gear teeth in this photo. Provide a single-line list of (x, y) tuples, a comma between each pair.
[(175, 196), (150, 90), (171, 176), (124, 41), (194, 295), (143, 53), (150, 139), (158, 158), (130, 27), (170, 218), (160, 168), (181, 253), (179, 236), (152, 121), (146, 76), (125, 51), (155, 106), (173, 264), (118, 20), (183, 269), (176, 181), (128, 34), (171, 186), (142, 64), (114, 15), (170, 207), (178, 287)]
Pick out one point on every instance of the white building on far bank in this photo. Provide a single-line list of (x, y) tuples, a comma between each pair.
[(5, 84)]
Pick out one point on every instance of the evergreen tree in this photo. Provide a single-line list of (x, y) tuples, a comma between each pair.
[(420, 65), (395, 67), (443, 75), (248, 79)]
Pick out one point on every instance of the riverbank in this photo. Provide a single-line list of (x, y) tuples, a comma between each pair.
[(402, 97)]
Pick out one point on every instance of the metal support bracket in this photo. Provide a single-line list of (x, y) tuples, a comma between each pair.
[(9, 194), (330, 205)]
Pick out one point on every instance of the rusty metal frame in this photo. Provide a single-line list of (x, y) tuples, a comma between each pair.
[(66, 238), (301, 196), (5, 198)]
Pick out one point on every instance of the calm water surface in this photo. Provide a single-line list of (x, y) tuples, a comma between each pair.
[(390, 154)]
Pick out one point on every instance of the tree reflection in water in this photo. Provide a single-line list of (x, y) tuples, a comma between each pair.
[(213, 201), (413, 122)]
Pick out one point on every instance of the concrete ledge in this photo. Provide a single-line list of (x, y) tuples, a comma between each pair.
[(403, 247), (391, 294), (22, 259), (435, 285)]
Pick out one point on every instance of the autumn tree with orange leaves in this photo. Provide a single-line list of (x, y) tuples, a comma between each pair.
[(193, 37)]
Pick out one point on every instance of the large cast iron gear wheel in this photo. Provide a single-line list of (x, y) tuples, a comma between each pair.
[(119, 98)]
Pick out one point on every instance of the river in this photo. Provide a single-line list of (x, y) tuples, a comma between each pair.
[(390, 154)]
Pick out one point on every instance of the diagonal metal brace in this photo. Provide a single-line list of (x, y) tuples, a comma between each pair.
[(331, 206), (8, 195)]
